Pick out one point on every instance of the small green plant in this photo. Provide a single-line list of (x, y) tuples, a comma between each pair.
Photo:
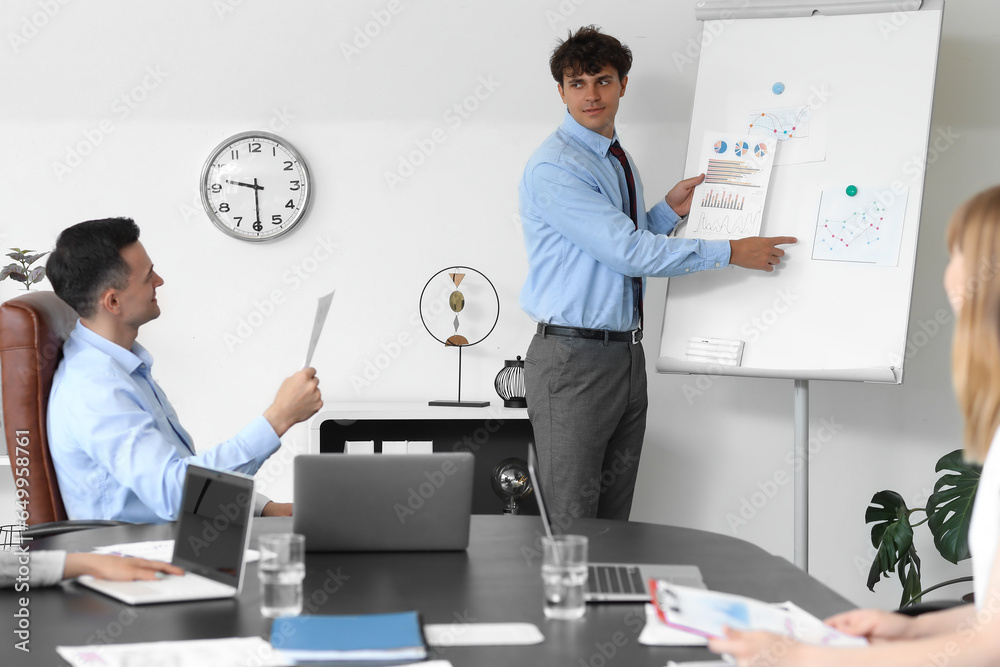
[(21, 270), (948, 513)]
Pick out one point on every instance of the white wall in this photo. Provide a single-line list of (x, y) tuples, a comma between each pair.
[(197, 72)]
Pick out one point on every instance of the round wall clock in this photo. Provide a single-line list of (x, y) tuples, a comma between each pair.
[(255, 186)]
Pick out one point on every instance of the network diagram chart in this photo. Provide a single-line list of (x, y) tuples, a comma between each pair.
[(796, 127), (782, 124), (862, 224)]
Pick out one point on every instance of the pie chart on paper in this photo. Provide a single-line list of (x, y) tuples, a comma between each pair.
[(741, 147), (720, 147)]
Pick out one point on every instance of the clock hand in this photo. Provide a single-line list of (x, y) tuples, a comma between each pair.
[(247, 185), (257, 225)]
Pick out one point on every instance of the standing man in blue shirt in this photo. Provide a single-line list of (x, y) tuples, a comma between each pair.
[(590, 242), (117, 445)]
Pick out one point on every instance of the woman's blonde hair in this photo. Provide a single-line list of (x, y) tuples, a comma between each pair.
[(974, 231)]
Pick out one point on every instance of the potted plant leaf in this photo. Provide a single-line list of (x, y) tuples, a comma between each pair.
[(21, 271), (947, 514)]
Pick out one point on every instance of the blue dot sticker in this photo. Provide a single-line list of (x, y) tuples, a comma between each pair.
[(778, 88)]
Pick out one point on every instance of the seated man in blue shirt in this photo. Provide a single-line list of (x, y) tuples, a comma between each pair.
[(590, 242), (117, 444)]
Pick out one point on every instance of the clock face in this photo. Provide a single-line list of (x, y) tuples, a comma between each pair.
[(255, 186)]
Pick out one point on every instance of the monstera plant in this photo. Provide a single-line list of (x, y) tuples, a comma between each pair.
[(947, 514)]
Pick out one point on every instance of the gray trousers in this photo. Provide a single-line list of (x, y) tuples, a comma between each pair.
[(587, 406)]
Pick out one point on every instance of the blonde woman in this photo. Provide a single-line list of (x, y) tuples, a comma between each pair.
[(968, 635)]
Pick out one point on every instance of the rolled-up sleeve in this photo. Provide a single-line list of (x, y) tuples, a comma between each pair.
[(578, 211)]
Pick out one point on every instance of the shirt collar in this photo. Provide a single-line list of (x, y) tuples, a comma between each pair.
[(598, 143), (129, 360)]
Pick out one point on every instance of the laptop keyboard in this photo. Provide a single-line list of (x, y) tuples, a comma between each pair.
[(618, 579), (182, 586), (189, 585)]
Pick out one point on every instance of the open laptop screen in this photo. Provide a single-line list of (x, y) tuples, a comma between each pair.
[(213, 528)]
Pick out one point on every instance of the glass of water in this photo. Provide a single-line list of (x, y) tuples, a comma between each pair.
[(282, 569), (564, 575)]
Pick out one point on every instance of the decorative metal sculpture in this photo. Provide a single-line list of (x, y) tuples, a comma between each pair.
[(479, 315), (509, 384)]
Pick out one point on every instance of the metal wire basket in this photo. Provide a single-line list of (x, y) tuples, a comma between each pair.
[(10, 536)]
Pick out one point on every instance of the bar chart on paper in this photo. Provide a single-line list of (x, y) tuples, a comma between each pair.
[(733, 173), (727, 200), (729, 204)]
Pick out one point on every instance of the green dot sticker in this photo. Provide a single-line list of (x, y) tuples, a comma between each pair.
[(851, 190)]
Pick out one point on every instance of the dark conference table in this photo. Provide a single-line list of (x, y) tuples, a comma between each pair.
[(497, 580)]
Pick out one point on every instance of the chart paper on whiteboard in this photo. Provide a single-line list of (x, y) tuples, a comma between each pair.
[(865, 227), (729, 204), (797, 120)]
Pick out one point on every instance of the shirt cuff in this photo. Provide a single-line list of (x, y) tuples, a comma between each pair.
[(258, 504), (720, 252), (661, 218), (46, 567)]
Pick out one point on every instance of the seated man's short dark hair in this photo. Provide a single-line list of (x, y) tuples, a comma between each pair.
[(588, 52), (87, 260)]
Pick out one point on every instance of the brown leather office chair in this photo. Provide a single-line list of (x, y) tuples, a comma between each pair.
[(33, 327)]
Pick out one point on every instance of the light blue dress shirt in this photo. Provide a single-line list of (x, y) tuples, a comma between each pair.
[(118, 448), (583, 248)]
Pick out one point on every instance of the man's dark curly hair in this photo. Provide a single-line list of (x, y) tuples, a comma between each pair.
[(587, 52)]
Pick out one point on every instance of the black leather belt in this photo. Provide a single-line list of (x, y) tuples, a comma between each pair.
[(591, 334)]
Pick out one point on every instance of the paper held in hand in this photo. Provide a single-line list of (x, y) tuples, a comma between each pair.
[(322, 308), (729, 204), (706, 613)]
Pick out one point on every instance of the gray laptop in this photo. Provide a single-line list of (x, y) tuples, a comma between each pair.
[(210, 543), (616, 582), (412, 502)]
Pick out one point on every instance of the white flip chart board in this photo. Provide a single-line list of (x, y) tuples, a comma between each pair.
[(849, 97)]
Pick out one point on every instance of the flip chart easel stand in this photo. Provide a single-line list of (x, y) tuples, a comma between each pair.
[(801, 475), (851, 64)]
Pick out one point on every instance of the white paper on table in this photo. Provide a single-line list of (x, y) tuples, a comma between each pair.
[(155, 550), (227, 652), (482, 634), (729, 204), (657, 633)]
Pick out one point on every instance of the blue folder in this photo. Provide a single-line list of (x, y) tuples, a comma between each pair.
[(365, 637)]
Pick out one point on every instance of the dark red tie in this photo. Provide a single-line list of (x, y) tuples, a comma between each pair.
[(619, 152)]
